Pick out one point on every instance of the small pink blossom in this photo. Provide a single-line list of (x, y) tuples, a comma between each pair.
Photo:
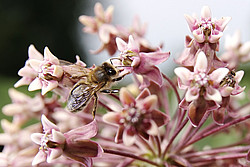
[(207, 29), (236, 51), (141, 63), (138, 116), (200, 85), (74, 144)]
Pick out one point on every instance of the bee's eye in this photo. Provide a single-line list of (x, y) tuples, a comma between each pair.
[(111, 71)]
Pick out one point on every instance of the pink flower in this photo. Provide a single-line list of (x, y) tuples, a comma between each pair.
[(74, 144), (207, 29), (202, 87), (141, 63), (27, 72), (138, 116), (236, 51)]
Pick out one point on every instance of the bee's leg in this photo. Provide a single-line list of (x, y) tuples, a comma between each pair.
[(109, 91), (95, 105), (120, 78)]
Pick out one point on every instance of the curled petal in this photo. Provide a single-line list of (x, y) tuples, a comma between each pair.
[(196, 113), (222, 23), (154, 58), (198, 36), (159, 117), (132, 44), (145, 93), (35, 64), (226, 91), (214, 38)]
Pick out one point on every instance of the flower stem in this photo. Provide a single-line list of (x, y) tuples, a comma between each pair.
[(130, 156), (174, 136), (203, 120), (215, 130)]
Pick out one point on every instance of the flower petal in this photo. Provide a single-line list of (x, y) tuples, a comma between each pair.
[(35, 64), (121, 45), (217, 75), (206, 12), (34, 54), (36, 84), (213, 94), (192, 94), (126, 97), (219, 115), (83, 132), (239, 76), (54, 153), (112, 117), (153, 130), (184, 76), (201, 63), (40, 157), (36, 137), (47, 124), (128, 139), (50, 57), (58, 137), (48, 86)]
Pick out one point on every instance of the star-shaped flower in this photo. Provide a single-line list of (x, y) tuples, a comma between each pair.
[(74, 144), (138, 116)]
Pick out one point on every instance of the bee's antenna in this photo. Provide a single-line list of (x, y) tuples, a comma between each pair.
[(114, 58)]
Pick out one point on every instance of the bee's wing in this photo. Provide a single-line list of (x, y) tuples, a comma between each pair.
[(79, 96)]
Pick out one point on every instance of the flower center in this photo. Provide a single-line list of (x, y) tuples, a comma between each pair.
[(131, 116), (44, 140), (206, 26), (201, 79), (127, 57)]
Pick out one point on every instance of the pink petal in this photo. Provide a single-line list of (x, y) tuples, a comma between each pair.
[(215, 37), (35, 64), (184, 76), (50, 57), (34, 54), (201, 63), (48, 86), (109, 14), (191, 21), (245, 48), (239, 75), (112, 117), (213, 94), (153, 130), (27, 72), (217, 75), (47, 124), (154, 75), (99, 12), (121, 45), (132, 44), (222, 23), (58, 137), (35, 85), (84, 132), (226, 91), (54, 153), (128, 140), (206, 12), (149, 102), (145, 93), (40, 157), (154, 58), (87, 21), (219, 115), (159, 117), (36, 137), (198, 35), (126, 97), (192, 94)]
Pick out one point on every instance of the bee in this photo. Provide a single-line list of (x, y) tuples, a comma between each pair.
[(96, 80), (229, 79)]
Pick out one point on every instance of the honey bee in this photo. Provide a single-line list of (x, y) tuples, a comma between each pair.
[(96, 80), (229, 79)]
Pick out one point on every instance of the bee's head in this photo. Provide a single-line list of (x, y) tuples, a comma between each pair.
[(109, 69)]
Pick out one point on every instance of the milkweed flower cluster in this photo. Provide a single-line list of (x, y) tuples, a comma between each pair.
[(154, 121)]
